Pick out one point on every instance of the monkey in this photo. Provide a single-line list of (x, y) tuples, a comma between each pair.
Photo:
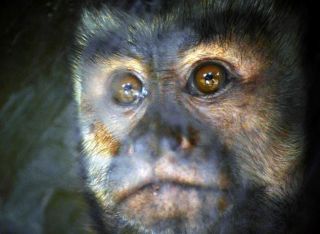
[(40, 190), (192, 119)]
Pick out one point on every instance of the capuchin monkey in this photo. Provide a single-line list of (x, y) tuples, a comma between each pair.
[(192, 117)]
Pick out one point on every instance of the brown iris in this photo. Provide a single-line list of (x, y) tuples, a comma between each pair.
[(208, 78), (126, 88)]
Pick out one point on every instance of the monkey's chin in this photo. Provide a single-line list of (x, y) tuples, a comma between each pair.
[(171, 203)]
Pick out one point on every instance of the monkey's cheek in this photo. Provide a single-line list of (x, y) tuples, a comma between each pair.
[(165, 203)]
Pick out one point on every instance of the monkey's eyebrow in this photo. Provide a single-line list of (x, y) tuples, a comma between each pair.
[(105, 45), (241, 23), (220, 28)]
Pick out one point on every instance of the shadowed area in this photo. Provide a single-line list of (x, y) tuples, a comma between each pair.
[(39, 187)]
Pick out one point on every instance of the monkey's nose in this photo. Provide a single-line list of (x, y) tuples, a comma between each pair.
[(160, 140), (179, 139)]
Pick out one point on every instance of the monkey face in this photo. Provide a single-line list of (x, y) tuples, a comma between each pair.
[(187, 129)]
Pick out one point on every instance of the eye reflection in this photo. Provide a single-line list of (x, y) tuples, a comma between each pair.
[(127, 89)]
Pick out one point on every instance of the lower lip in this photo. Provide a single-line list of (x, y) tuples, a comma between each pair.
[(168, 191), (169, 200)]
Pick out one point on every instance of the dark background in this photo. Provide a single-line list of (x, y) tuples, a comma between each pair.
[(39, 185), (40, 190)]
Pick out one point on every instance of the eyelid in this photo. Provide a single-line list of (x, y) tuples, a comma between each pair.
[(230, 69), (118, 72)]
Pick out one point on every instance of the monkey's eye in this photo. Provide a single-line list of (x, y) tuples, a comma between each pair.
[(207, 78), (127, 89)]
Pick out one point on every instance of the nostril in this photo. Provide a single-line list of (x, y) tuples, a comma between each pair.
[(175, 143), (176, 139), (171, 143)]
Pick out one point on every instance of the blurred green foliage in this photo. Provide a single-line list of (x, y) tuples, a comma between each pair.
[(40, 188)]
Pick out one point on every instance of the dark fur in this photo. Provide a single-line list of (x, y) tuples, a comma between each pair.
[(275, 25)]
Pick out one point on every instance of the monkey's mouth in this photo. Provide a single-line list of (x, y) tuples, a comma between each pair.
[(168, 177), (158, 187), (164, 200), (170, 189)]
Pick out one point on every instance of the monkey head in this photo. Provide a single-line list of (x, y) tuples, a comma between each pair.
[(192, 119)]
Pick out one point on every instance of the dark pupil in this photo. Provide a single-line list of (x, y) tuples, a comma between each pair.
[(127, 87), (208, 76)]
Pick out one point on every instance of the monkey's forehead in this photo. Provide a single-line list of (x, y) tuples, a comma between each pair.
[(267, 28)]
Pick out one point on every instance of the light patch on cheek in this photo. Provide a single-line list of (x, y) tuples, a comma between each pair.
[(100, 141), (259, 145), (243, 59)]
